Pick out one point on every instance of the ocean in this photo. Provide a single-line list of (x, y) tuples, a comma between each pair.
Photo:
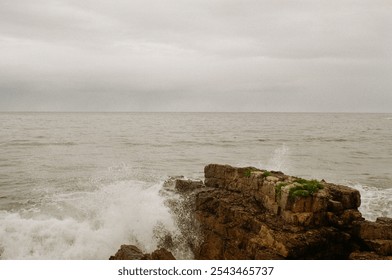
[(78, 185)]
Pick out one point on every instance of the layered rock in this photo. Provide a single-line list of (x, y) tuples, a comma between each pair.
[(375, 237), (247, 213)]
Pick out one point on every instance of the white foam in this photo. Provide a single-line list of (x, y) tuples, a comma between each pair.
[(87, 225), (375, 202), (93, 224)]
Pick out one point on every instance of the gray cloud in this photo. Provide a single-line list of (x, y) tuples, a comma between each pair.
[(221, 55)]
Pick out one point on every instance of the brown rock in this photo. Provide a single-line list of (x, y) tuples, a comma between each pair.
[(285, 201), (240, 215), (384, 220), (301, 204), (187, 185), (272, 239), (230, 173), (215, 171), (128, 252), (213, 183), (350, 216), (320, 202), (357, 255), (162, 254), (375, 230), (381, 247), (335, 206), (269, 204), (131, 252), (304, 219), (348, 197), (268, 189), (212, 248)]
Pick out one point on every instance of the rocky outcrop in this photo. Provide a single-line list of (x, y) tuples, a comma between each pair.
[(375, 237), (247, 213)]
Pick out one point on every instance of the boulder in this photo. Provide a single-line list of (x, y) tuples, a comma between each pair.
[(380, 229)]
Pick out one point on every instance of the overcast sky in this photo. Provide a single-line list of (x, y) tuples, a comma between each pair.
[(196, 55)]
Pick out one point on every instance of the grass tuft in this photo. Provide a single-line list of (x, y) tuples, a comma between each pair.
[(305, 188), (247, 173), (266, 174)]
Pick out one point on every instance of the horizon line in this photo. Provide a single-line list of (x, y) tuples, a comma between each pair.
[(207, 112)]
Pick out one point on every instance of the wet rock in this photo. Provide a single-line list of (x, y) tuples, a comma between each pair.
[(187, 185), (128, 252), (381, 229), (162, 254), (384, 220), (131, 252), (348, 197), (248, 213)]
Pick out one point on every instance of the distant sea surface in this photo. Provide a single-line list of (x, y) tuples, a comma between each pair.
[(78, 185)]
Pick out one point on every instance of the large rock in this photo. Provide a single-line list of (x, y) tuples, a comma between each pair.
[(247, 213), (380, 229)]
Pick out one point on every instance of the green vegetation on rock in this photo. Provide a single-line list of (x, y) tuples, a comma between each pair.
[(248, 172), (266, 174), (302, 188), (305, 188)]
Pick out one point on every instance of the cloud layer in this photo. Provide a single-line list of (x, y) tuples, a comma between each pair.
[(220, 55)]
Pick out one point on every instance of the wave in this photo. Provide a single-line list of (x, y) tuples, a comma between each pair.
[(325, 139), (27, 143), (89, 225), (375, 202)]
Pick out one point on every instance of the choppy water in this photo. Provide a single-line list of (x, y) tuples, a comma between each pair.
[(78, 185)]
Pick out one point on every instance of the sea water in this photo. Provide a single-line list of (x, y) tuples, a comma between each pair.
[(78, 185)]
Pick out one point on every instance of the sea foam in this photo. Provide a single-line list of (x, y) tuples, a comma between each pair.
[(375, 202), (88, 225)]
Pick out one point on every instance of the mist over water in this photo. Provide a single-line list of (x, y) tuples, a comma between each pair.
[(78, 185)]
